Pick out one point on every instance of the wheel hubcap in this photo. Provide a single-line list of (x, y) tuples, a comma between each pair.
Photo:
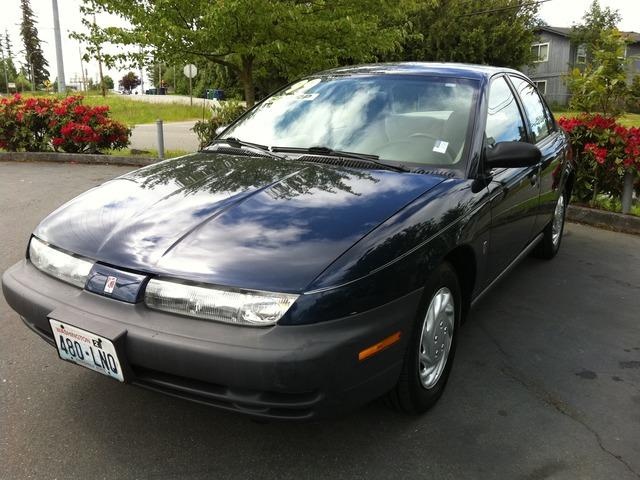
[(436, 337), (558, 220)]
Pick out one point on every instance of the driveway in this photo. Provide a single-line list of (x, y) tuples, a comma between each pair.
[(546, 384)]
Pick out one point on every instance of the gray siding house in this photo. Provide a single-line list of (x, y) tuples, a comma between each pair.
[(556, 57)]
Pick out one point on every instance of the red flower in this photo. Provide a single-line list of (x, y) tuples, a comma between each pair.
[(599, 153), (57, 141)]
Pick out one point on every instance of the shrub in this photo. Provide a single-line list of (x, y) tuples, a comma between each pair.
[(222, 114), (40, 124), (24, 123), (604, 151)]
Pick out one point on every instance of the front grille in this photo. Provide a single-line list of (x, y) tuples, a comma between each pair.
[(272, 405)]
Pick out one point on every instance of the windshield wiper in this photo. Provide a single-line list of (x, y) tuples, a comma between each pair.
[(237, 143), (341, 153)]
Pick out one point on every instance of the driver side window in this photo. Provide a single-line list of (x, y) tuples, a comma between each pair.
[(504, 121)]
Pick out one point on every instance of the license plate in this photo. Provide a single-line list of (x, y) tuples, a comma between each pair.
[(86, 349)]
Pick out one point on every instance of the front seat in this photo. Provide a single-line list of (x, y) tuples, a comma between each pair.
[(454, 132)]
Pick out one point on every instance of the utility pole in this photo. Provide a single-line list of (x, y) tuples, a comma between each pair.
[(141, 59), (62, 86)]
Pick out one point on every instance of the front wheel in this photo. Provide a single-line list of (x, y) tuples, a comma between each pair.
[(552, 234), (432, 346)]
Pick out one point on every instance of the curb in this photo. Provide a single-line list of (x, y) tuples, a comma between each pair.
[(603, 219), (75, 158)]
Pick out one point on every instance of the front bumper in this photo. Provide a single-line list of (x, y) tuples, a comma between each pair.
[(280, 372)]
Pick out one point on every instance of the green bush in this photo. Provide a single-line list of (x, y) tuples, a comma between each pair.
[(38, 124), (222, 114), (603, 151)]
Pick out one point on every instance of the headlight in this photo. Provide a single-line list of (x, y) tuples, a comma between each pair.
[(58, 264), (252, 308)]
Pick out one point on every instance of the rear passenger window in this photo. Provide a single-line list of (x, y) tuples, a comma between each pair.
[(504, 122), (534, 107)]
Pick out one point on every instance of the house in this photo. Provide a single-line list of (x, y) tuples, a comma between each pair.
[(556, 56)]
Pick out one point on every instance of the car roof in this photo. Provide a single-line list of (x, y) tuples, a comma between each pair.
[(422, 68)]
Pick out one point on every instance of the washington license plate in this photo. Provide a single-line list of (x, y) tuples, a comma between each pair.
[(86, 349)]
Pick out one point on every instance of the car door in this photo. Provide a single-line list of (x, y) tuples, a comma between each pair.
[(552, 144), (514, 191)]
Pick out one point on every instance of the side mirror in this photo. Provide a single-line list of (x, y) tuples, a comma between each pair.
[(221, 129), (511, 155)]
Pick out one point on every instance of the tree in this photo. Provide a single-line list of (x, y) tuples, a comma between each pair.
[(595, 20), (7, 68), (108, 82), (291, 36), (601, 86), (7, 44), (93, 39), (491, 32), (35, 61), (129, 81)]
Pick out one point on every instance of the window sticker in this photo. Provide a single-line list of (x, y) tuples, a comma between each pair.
[(440, 146)]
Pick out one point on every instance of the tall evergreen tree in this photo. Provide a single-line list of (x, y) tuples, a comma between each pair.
[(35, 61), (8, 46), (7, 68)]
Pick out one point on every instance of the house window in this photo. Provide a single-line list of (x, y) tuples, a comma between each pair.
[(581, 54), (541, 85), (540, 52)]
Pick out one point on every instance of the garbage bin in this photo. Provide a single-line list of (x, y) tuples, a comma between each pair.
[(218, 94), (162, 91), (209, 94), (150, 91)]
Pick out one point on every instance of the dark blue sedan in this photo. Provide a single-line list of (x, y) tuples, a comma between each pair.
[(321, 252)]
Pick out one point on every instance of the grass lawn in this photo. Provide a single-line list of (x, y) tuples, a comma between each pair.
[(134, 112), (628, 120)]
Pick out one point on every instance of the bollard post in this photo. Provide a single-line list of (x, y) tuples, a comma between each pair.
[(160, 134), (627, 192)]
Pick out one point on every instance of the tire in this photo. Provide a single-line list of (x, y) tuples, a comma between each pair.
[(425, 374), (552, 233)]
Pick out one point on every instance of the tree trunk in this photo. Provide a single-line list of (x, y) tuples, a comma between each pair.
[(246, 76)]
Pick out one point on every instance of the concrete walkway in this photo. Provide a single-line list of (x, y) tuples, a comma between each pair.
[(177, 136)]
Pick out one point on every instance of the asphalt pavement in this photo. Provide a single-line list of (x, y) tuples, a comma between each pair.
[(546, 384)]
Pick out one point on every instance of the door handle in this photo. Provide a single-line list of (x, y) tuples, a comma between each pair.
[(533, 179)]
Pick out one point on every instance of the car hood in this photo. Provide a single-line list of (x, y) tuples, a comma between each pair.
[(258, 223)]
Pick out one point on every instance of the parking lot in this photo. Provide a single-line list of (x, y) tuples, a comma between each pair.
[(546, 384)]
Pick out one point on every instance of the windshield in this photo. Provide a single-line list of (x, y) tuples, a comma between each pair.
[(406, 119)]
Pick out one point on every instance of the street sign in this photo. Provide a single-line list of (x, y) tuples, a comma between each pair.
[(190, 70)]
